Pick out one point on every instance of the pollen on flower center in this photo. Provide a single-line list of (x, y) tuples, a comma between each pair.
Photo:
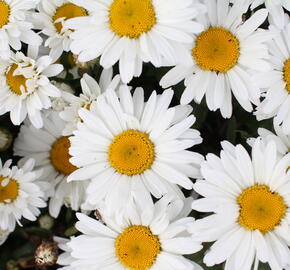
[(131, 152), (216, 49), (260, 208), (5, 12), (67, 11), (59, 156), (17, 83), (132, 18), (286, 74), (137, 248), (8, 191)]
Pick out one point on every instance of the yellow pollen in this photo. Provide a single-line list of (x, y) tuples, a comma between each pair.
[(216, 49), (5, 12), (67, 11), (8, 192), (15, 81), (59, 156), (132, 18), (131, 152), (286, 74), (260, 208), (137, 248), (88, 106)]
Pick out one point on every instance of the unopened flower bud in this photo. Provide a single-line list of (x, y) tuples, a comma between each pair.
[(5, 139), (46, 222)]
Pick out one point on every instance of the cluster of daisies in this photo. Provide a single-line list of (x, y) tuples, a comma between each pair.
[(112, 149)]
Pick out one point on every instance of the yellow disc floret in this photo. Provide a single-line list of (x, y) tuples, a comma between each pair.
[(286, 74), (137, 248), (59, 156), (17, 83), (132, 18), (260, 208), (131, 152), (216, 49), (8, 191), (5, 12), (67, 11)]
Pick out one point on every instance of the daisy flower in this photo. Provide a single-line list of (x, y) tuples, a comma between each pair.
[(59, 103), (152, 237), (131, 148), (250, 199), (90, 91), (282, 140), (15, 27), (50, 19), (50, 150), (276, 83), (20, 196), (275, 7), (133, 32), (25, 86), (222, 57)]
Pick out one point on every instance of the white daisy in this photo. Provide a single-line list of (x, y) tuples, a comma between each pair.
[(276, 83), (275, 7), (3, 236), (250, 199), (25, 87), (222, 58), (50, 150), (133, 32), (90, 91), (15, 27), (282, 140), (50, 19), (130, 148), (65, 258), (59, 103), (20, 196), (152, 237)]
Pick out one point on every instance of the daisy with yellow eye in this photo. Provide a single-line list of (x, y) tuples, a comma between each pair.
[(131, 148), (276, 83), (90, 91), (51, 151), (20, 195), (133, 32), (24, 86), (15, 27), (223, 57), (50, 19), (250, 202), (152, 237)]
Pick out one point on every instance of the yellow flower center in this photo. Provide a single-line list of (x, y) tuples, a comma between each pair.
[(216, 49), (5, 12), (131, 152), (137, 248), (132, 18), (67, 11), (17, 83), (286, 74), (9, 191), (260, 208), (59, 156)]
